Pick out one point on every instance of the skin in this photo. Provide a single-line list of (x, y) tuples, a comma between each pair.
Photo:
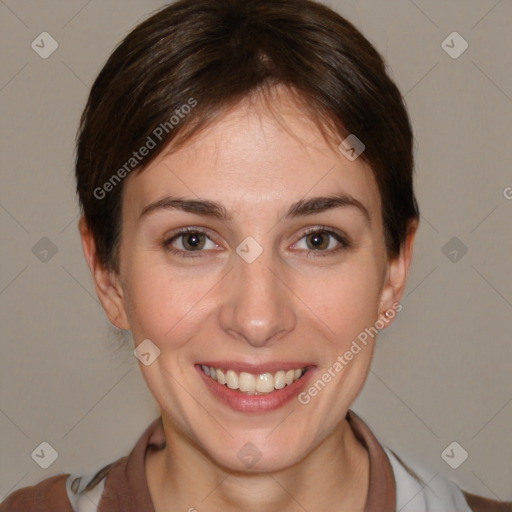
[(290, 304)]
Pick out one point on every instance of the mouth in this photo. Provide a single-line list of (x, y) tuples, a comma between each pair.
[(250, 388), (251, 383)]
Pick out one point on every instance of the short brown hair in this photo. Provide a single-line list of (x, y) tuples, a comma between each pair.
[(183, 66)]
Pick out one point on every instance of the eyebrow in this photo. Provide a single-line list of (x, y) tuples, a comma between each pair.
[(303, 207)]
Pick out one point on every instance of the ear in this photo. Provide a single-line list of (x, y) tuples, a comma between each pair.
[(396, 276), (106, 282)]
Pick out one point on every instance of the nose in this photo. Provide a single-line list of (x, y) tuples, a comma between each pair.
[(257, 306)]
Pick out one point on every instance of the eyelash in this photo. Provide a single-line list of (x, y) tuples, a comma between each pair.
[(343, 241)]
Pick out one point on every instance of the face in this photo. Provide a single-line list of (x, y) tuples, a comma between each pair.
[(254, 255)]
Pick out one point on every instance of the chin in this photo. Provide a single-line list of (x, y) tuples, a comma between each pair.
[(259, 455)]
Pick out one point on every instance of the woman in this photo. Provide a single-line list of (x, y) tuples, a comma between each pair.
[(244, 170)]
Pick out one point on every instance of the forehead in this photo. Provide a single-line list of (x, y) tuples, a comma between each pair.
[(254, 157)]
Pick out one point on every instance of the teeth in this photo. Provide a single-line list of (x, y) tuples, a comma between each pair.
[(247, 382), (265, 383), (220, 377), (253, 384), (232, 379), (280, 379)]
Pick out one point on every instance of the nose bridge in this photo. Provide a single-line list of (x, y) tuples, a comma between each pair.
[(257, 306)]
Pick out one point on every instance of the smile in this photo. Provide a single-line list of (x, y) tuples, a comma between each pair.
[(253, 384), (255, 388)]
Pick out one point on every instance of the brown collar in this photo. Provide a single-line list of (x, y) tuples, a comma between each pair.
[(382, 488)]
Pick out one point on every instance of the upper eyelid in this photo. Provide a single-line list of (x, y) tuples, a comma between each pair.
[(184, 231)]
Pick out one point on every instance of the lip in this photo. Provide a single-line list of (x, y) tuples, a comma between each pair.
[(256, 403)]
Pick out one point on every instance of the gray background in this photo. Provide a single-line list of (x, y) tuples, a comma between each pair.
[(441, 373)]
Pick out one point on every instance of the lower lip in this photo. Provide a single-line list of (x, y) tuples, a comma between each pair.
[(255, 403)]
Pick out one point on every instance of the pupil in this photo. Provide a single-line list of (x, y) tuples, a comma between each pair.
[(193, 240), (317, 240)]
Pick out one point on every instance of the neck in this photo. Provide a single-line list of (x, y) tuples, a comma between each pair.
[(181, 477)]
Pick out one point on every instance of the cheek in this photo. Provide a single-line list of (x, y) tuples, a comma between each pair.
[(168, 304), (161, 302), (347, 301)]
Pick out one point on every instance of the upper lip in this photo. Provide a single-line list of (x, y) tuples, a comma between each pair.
[(256, 369)]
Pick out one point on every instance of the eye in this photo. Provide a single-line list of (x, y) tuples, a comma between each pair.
[(189, 240), (321, 240), (192, 242)]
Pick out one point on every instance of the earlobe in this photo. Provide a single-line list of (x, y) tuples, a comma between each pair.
[(106, 282), (396, 276)]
